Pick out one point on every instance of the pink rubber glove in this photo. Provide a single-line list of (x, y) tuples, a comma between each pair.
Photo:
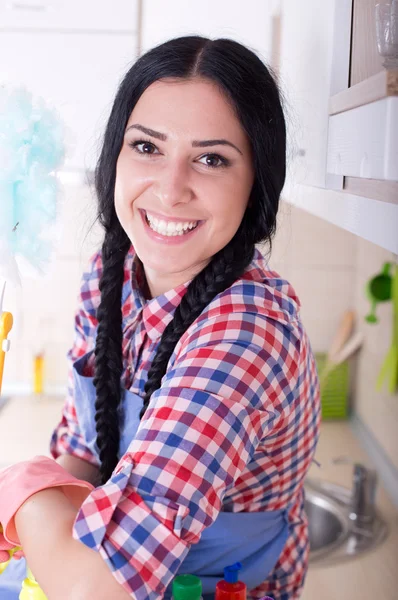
[(22, 480), (5, 547)]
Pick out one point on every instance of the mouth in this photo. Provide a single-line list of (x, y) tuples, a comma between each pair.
[(198, 222), (176, 237)]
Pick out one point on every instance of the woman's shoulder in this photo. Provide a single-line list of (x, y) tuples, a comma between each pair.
[(260, 290), (257, 309), (94, 267), (90, 294)]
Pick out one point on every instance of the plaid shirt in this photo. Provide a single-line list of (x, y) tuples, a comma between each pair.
[(233, 427)]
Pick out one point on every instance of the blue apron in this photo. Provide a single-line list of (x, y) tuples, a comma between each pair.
[(255, 539)]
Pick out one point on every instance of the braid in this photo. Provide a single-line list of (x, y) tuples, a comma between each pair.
[(225, 267), (108, 351)]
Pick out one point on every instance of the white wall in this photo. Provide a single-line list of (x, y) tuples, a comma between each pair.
[(249, 24)]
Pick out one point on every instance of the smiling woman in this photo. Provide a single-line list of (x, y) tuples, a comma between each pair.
[(193, 390), (167, 176)]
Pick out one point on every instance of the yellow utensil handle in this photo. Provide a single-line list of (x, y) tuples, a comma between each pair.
[(6, 322)]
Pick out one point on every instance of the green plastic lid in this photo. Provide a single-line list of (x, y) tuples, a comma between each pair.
[(187, 587)]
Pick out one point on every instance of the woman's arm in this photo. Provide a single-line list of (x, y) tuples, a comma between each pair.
[(64, 568), (79, 468)]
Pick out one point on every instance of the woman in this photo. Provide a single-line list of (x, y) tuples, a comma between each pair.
[(193, 403)]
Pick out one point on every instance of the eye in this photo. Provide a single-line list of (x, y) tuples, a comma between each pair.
[(223, 162), (145, 143)]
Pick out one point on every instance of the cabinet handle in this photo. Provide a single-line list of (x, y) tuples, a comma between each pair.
[(29, 6)]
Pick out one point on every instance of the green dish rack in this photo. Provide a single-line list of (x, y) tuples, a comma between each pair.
[(334, 389)]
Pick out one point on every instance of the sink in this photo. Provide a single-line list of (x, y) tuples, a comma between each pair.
[(334, 535)]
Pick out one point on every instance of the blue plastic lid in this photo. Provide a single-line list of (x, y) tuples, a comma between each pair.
[(231, 573)]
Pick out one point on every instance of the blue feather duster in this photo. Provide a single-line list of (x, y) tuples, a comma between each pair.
[(31, 148)]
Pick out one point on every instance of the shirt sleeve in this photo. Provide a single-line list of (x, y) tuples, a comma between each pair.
[(67, 437), (202, 426)]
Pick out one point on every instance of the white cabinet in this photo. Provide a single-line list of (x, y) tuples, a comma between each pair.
[(88, 15), (307, 76), (363, 141), (77, 73), (339, 137)]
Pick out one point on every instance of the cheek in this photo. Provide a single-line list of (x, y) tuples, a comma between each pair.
[(230, 207), (127, 185)]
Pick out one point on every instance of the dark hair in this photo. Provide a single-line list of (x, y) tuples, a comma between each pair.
[(252, 90)]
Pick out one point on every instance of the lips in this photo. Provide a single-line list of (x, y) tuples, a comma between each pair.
[(169, 240)]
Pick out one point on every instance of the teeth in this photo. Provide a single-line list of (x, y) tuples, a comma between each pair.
[(170, 229)]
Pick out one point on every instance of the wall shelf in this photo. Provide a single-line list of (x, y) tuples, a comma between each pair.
[(381, 85)]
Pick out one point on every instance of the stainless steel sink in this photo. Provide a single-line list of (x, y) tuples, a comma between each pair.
[(336, 533)]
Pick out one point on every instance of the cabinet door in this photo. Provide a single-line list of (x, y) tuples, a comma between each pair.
[(309, 47), (77, 74), (69, 14)]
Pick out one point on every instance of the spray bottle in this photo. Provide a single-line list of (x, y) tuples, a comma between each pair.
[(230, 588)]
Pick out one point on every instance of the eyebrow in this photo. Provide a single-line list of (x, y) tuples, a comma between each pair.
[(195, 143)]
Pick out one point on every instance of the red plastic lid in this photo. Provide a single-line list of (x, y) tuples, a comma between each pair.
[(230, 591)]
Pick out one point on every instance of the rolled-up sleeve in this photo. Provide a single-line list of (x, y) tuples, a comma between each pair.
[(202, 426), (67, 437)]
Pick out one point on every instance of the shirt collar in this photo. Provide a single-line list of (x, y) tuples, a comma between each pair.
[(156, 312)]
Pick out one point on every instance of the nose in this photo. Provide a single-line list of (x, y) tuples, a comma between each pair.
[(173, 183)]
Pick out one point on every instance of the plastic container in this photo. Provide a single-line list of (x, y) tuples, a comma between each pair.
[(38, 373), (187, 587), (30, 588), (334, 390), (230, 588)]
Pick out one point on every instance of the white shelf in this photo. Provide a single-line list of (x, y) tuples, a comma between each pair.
[(372, 220), (378, 86)]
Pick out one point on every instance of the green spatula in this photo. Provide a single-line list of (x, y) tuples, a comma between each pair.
[(378, 290), (389, 368)]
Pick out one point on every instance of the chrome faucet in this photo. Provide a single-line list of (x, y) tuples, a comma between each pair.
[(363, 491)]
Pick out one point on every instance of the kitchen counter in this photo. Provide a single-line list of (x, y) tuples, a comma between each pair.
[(370, 576), (26, 424)]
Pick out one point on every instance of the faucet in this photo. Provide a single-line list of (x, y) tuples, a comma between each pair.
[(363, 491)]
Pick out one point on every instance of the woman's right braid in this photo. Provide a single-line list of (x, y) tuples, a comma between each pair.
[(222, 271)]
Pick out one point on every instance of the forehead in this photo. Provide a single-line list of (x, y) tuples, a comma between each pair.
[(186, 107)]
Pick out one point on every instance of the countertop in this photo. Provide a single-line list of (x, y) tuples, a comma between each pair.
[(373, 575), (26, 424)]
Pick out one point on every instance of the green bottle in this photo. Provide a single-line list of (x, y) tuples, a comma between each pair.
[(187, 587)]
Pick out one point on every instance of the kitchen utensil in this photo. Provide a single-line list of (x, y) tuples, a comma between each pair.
[(378, 289), (349, 348), (390, 365)]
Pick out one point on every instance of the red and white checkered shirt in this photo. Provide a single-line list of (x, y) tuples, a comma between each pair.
[(241, 387)]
